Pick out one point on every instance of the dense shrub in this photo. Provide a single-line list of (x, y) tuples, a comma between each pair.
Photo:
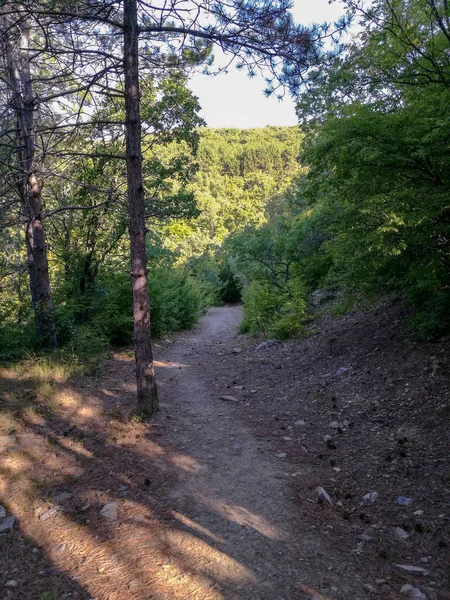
[(175, 299), (16, 339), (274, 312)]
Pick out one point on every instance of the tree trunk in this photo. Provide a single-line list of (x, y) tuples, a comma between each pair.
[(38, 264), (146, 384), (17, 50)]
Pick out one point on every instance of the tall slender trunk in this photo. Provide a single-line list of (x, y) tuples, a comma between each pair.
[(17, 46), (146, 383), (41, 296)]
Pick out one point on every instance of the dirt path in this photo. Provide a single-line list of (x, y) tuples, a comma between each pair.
[(231, 491)]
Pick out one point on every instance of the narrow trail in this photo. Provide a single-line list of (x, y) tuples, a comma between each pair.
[(229, 489)]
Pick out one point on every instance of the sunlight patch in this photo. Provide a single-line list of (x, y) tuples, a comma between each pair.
[(196, 526), (244, 517), (186, 463)]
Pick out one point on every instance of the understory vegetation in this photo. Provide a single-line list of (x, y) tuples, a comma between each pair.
[(369, 215), (230, 173), (354, 202)]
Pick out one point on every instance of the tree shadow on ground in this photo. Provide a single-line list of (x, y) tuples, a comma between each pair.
[(72, 449)]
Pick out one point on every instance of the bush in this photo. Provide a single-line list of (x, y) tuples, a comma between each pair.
[(175, 303), (88, 341), (205, 269), (16, 339), (231, 289), (274, 312), (175, 299), (112, 309)]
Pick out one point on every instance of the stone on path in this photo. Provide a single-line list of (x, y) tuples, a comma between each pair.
[(412, 592), (401, 533), (109, 511), (49, 513), (404, 501), (6, 441), (371, 497), (267, 344), (323, 495), (7, 523), (62, 497), (342, 370), (228, 398), (412, 569)]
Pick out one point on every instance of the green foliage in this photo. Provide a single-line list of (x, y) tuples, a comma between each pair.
[(232, 180), (273, 313), (378, 186), (175, 299), (205, 270), (16, 339), (231, 288), (240, 172), (371, 216), (111, 308), (274, 292)]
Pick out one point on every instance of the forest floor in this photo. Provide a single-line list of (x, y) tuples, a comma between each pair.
[(215, 499)]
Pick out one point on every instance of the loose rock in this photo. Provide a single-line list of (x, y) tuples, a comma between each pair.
[(401, 533), (228, 398), (134, 584), (371, 497), (7, 523), (412, 569), (267, 344), (404, 500), (49, 513), (11, 583), (342, 370), (323, 496), (109, 511), (2, 512), (62, 497), (6, 441), (412, 592), (300, 423)]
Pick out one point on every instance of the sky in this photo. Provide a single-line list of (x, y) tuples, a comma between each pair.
[(234, 100)]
